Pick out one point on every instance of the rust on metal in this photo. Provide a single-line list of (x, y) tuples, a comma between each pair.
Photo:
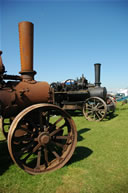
[(26, 48), (28, 93)]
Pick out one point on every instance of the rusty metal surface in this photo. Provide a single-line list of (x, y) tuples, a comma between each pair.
[(6, 97), (28, 93), (26, 46), (26, 49), (22, 94), (42, 138)]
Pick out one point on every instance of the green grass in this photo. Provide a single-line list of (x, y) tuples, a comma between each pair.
[(99, 163)]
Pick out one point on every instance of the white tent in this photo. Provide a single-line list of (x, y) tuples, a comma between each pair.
[(125, 91)]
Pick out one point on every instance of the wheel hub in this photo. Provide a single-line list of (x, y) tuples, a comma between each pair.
[(44, 138), (94, 109)]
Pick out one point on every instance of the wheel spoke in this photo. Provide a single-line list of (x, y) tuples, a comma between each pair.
[(61, 137), (97, 114), (41, 120), (89, 106), (45, 117), (101, 106), (26, 129), (26, 149), (89, 112), (56, 154), (58, 144), (98, 104), (57, 130), (22, 139), (101, 112), (38, 159), (36, 148), (46, 156), (60, 119)]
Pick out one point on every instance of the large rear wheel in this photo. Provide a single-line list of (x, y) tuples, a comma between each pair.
[(42, 138)]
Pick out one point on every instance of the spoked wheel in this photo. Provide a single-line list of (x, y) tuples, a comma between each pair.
[(94, 109), (111, 106), (42, 138)]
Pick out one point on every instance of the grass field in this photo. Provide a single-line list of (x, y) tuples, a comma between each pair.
[(99, 163)]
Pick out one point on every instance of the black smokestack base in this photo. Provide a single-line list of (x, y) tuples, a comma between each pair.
[(97, 74)]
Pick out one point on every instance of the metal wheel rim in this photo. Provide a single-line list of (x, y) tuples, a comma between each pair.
[(40, 143), (94, 109)]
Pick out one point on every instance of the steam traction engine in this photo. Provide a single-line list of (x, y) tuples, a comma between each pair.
[(41, 136), (91, 99)]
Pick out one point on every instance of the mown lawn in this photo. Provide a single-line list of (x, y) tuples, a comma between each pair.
[(99, 164)]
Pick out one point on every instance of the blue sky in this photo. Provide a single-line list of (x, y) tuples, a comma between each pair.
[(69, 37)]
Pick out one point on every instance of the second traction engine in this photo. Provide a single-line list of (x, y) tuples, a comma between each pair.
[(41, 136), (91, 99)]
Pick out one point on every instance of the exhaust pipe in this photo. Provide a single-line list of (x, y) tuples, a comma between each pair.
[(26, 50), (97, 74)]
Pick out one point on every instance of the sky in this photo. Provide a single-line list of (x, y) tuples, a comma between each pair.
[(70, 36)]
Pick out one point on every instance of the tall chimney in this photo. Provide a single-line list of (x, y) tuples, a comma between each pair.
[(97, 74), (26, 49)]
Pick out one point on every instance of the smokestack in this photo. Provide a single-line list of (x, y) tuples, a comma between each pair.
[(97, 74), (26, 49)]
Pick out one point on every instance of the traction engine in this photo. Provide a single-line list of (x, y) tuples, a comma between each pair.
[(91, 99), (41, 136)]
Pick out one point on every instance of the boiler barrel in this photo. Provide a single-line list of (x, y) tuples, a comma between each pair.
[(31, 93), (23, 94)]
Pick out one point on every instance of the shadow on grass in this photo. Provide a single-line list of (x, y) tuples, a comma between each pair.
[(79, 137), (75, 113), (80, 154), (80, 151), (5, 159), (110, 116)]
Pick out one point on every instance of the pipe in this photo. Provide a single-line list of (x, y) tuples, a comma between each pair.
[(97, 74), (26, 49)]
